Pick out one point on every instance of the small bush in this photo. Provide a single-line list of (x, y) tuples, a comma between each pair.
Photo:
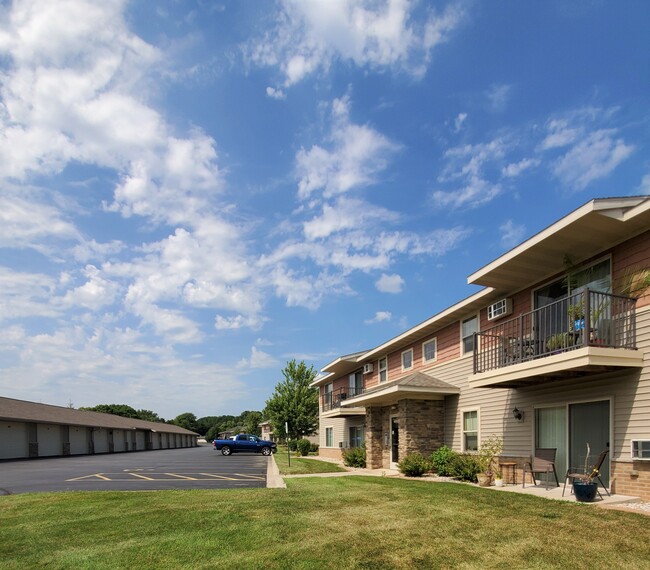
[(303, 446), (414, 465), (465, 467), (314, 448), (292, 444), (443, 460), (355, 457)]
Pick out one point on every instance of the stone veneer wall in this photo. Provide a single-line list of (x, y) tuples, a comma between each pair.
[(376, 425), (421, 428), (421, 424)]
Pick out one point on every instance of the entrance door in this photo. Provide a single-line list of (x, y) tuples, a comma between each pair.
[(394, 443), (589, 424)]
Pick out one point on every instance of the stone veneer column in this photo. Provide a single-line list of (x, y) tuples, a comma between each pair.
[(374, 437), (421, 425)]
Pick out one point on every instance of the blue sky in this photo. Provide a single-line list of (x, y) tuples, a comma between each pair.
[(193, 194)]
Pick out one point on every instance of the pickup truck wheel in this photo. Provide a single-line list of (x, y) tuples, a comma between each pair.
[(225, 450), (266, 450)]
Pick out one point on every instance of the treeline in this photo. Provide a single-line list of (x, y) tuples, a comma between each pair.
[(208, 426)]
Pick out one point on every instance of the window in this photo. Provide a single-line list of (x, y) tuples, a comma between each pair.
[(470, 431), (356, 384), (468, 328), (407, 359), (429, 350), (329, 437), (327, 397), (356, 436), (383, 369)]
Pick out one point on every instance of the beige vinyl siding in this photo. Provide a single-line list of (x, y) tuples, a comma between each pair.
[(629, 391), (340, 429)]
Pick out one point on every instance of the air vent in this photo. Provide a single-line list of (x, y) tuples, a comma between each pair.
[(368, 368)]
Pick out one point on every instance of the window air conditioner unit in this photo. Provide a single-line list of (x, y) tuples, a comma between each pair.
[(640, 449), (499, 309), (368, 368)]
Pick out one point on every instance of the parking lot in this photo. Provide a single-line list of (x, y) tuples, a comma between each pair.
[(190, 468)]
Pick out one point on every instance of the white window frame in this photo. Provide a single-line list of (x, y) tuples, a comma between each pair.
[(384, 369), (329, 430), (478, 429), (462, 338), (433, 341), (410, 350)]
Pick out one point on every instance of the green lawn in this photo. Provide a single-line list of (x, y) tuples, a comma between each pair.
[(303, 465), (340, 523)]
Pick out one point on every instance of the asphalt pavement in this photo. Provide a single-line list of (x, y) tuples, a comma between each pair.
[(188, 468)]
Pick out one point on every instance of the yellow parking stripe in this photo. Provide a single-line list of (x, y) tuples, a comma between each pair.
[(180, 476), (141, 476)]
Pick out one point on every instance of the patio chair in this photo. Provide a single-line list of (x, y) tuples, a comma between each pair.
[(574, 474), (542, 462)]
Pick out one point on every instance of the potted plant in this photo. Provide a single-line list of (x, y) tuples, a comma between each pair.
[(490, 448), (585, 488), (498, 478), (576, 313)]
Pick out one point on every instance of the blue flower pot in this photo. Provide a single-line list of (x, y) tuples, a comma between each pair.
[(585, 492)]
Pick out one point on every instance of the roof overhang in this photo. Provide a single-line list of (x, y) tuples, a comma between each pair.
[(581, 362), (586, 232)]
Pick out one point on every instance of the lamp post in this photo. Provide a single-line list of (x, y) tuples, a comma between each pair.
[(286, 429)]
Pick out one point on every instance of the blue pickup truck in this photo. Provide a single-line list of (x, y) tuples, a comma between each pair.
[(245, 442)]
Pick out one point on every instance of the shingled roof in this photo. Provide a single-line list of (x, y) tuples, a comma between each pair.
[(23, 411)]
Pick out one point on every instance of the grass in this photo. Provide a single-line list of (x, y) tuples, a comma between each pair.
[(342, 522), (303, 465)]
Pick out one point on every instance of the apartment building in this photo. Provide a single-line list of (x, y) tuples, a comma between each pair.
[(553, 351)]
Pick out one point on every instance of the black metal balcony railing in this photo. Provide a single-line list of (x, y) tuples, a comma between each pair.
[(332, 400), (588, 318)]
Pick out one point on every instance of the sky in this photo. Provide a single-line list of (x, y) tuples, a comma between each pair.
[(195, 192)]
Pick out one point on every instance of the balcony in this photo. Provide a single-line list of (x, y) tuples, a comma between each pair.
[(586, 333), (331, 403)]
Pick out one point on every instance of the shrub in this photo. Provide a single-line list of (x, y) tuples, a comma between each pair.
[(466, 467), (355, 457), (292, 443), (414, 465), (303, 446), (314, 448), (443, 460)]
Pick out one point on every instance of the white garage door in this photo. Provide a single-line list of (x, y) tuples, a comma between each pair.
[(14, 441)]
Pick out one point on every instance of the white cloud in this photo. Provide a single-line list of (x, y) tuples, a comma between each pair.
[(276, 94), (498, 97), (259, 359), (96, 293), (387, 34), (390, 283), (514, 169), (511, 233), (380, 317), (460, 121), (594, 157), (644, 187), (26, 295), (357, 155)]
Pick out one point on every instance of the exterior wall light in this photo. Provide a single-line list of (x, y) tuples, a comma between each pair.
[(519, 416)]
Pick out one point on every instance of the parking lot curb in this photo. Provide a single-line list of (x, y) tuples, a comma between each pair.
[(273, 478)]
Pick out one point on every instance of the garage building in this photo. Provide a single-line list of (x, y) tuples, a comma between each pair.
[(30, 430)]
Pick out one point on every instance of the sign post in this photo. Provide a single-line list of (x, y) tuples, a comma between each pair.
[(286, 430)]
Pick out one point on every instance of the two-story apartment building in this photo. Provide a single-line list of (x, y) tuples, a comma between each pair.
[(553, 351)]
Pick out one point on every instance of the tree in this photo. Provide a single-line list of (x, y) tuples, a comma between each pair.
[(251, 421), (294, 401), (186, 420)]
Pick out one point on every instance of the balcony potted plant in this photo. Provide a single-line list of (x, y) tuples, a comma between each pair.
[(585, 488)]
